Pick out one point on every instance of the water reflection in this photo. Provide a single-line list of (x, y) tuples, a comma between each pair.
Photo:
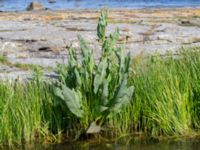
[(113, 146)]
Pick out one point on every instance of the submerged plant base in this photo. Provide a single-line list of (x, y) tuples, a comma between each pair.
[(128, 142)]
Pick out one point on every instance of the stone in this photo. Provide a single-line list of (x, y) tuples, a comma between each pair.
[(45, 49), (185, 22), (195, 40), (52, 1), (94, 128), (35, 6)]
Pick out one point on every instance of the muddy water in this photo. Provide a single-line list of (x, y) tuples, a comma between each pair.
[(19, 5)]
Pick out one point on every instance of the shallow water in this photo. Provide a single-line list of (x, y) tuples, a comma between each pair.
[(176, 145), (19, 5), (165, 146)]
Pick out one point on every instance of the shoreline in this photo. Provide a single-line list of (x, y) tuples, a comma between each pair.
[(112, 8), (151, 12)]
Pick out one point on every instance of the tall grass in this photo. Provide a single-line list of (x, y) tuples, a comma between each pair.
[(26, 112), (166, 100)]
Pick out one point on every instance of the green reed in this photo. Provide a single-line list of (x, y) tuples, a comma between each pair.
[(166, 98)]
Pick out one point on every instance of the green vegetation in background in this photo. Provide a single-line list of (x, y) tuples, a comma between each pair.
[(4, 60)]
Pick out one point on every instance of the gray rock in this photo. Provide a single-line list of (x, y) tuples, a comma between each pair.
[(35, 6), (45, 42), (94, 128), (52, 1)]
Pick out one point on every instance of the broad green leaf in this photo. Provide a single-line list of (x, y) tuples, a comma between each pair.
[(78, 78), (122, 96), (58, 92), (100, 75), (105, 90), (73, 101), (103, 108)]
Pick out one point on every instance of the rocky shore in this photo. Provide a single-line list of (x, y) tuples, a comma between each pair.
[(41, 38)]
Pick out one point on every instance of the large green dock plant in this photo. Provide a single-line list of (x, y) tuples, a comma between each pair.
[(100, 86)]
